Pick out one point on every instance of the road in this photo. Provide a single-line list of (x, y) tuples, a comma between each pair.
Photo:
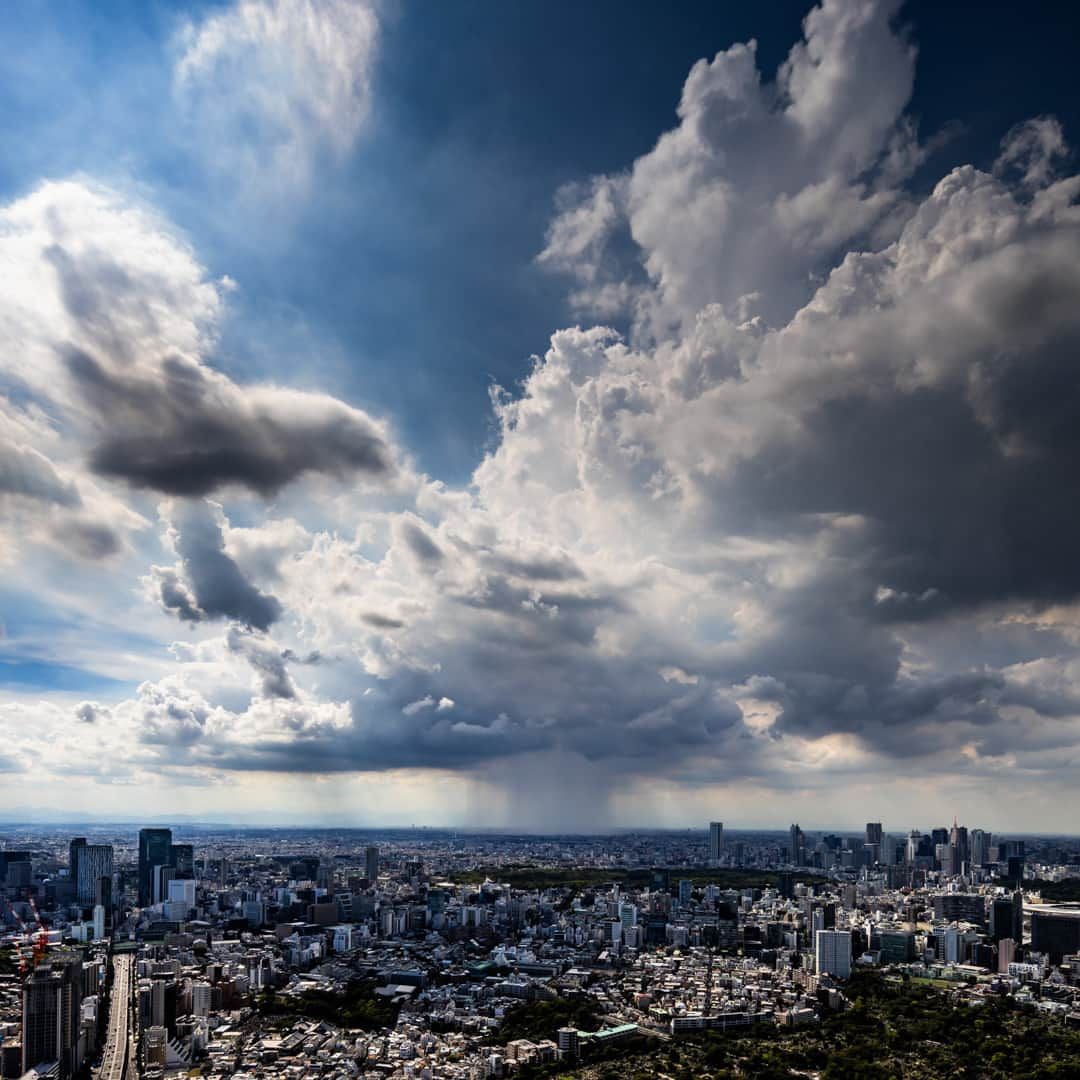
[(115, 1057)]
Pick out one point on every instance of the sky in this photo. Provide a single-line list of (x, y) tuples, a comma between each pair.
[(540, 415)]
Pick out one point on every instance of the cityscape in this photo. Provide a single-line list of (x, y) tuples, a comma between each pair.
[(538, 540), (427, 953)]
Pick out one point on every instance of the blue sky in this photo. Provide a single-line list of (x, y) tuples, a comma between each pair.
[(270, 281)]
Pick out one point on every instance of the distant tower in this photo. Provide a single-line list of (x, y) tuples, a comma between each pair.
[(716, 840), (371, 858), (73, 860), (873, 832), (92, 862), (797, 846), (155, 850)]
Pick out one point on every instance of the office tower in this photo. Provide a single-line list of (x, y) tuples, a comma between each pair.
[(716, 840), (873, 832), (961, 907), (371, 860), (947, 944), (92, 863), (1002, 924), (887, 852), (686, 891), (981, 844), (949, 858), (182, 858), (1018, 918), (155, 849), (958, 838), (1055, 932), (785, 885), (11, 863), (797, 846), (897, 946), (51, 1003), (73, 860), (911, 850), (160, 878), (832, 951)]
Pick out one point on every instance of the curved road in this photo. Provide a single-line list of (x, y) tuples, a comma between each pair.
[(114, 1059)]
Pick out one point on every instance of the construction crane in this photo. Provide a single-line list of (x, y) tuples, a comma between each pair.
[(24, 965), (41, 938)]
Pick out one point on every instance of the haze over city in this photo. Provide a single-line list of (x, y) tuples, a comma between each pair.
[(539, 416)]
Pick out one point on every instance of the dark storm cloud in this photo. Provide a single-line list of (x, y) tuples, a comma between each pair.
[(212, 585), (191, 432)]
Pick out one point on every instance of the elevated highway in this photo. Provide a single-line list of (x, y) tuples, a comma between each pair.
[(117, 1055)]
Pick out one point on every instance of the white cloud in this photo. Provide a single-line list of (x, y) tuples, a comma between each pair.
[(271, 84)]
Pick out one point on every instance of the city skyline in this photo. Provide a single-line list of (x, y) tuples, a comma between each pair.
[(413, 417)]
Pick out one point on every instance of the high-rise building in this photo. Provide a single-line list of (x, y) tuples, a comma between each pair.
[(832, 952), (73, 860), (873, 832), (797, 846), (958, 838), (371, 861), (182, 858), (155, 849), (201, 998), (911, 850), (1055, 932), (92, 863), (1002, 919), (981, 842), (51, 1005), (716, 840)]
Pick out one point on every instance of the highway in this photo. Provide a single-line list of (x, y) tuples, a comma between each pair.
[(114, 1058)]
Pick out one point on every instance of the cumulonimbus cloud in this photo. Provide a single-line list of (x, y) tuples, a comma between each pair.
[(802, 512)]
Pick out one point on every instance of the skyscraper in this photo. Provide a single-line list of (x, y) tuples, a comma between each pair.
[(980, 847), (716, 839), (51, 1001), (155, 849), (182, 857), (797, 846), (873, 832), (958, 839), (73, 860), (371, 859), (911, 849), (92, 862), (832, 950)]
